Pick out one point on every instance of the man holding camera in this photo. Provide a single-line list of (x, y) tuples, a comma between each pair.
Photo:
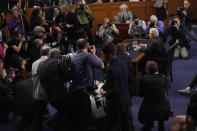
[(185, 13), (53, 73), (69, 23), (108, 31), (84, 13), (178, 36), (155, 23), (82, 66), (118, 100), (137, 27)]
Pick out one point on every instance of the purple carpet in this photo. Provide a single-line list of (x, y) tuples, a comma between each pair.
[(183, 72)]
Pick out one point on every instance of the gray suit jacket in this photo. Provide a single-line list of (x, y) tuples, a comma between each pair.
[(159, 3), (128, 16)]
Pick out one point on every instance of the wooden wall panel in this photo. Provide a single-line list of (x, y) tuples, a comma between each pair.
[(109, 10)]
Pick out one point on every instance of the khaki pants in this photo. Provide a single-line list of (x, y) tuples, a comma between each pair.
[(181, 52)]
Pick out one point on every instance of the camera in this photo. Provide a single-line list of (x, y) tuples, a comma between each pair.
[(180, 10), (152, 24), (81, 6), (109, 24), (173, 23), (54, 44), (136, 23)]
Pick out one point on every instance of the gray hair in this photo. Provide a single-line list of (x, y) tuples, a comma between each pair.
[(44, 51), (123, 6), (153, 18), (154, 31), (54, 53), (65, 7)]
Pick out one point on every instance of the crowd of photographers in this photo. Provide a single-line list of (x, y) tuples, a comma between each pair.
[(57, 49)]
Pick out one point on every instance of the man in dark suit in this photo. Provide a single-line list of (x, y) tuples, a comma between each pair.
[(154, 107), (70, 23), (155, 50), (53, 73), (118, 100)]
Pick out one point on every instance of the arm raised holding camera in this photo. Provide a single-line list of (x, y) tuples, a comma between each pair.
[(18, 48)]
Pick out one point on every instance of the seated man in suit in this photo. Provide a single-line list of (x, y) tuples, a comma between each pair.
[(124, 16)]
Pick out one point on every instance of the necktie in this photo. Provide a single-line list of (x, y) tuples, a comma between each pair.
[(123, 18)]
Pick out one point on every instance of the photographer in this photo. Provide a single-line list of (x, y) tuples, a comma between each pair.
[(84, 13), (137, 28), (16, 47), (58, 39), (185, 13), (155, 23), (69, 23), (82, 67), (53, 73), (108, 31), (118, 99), (178, 36), (18, 23)]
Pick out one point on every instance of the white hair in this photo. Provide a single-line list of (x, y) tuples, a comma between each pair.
[(154, 31), (153, 18), (123, 6)]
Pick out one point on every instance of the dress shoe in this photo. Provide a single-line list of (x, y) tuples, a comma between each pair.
[(184, 92)]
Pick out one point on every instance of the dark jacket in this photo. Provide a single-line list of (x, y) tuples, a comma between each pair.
[(179, 34), (24, 94), (118, 97), (156, 51), (53, 73), (154, 105), (127, 59), (3, 87)]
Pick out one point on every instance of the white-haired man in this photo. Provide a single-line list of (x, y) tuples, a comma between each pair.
[(155, 23), (124, 16), (39, 96), (155, 50)]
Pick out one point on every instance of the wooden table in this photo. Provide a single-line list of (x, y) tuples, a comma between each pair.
[(135, 61)]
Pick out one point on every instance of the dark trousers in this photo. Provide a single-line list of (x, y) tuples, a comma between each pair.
[(62, 116), (87, 29), (150, 125), (7, 104), (80, 111), (118, 121), (39, 108), (194, 82)]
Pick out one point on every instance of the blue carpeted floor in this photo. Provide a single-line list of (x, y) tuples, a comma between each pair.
[(183, 71)]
